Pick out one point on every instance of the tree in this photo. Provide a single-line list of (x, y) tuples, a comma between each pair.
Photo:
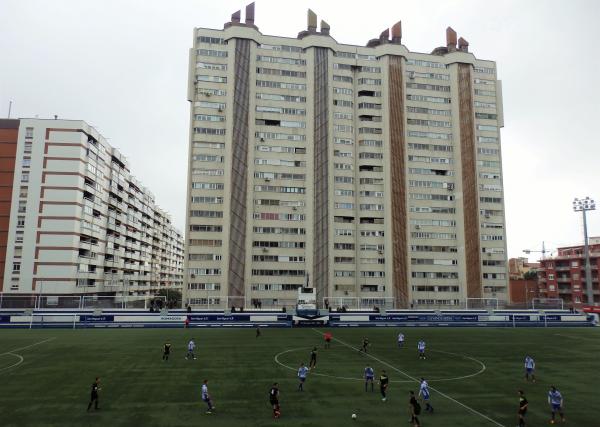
[(171, 294), (530, 275)]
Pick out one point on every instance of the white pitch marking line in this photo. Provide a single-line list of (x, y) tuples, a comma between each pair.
[(430, 380), (14, 365), (578, 337), (27, 346), (417, 381)]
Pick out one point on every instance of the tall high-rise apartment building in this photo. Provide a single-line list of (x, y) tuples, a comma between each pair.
[(369, 172), (74, 220)]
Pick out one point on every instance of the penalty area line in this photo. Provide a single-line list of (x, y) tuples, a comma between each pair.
[(474, 411), (27, 346)]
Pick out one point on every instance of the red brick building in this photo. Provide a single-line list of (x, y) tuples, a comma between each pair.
[(563, 276)]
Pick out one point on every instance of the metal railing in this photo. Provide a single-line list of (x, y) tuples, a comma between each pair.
[(81, 302)]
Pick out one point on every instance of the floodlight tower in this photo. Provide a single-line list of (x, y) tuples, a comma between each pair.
[(584, 205)]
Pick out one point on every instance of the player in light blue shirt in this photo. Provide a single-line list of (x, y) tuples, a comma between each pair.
[(421, 348), (425, 395), (302, 373), (400, 340), (529, 368), (555, 400), (369, 376)]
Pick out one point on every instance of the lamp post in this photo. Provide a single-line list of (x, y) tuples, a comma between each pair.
[(584, 205)]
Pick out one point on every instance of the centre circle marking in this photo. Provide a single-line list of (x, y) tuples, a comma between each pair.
[(18, 356), (463, 356)]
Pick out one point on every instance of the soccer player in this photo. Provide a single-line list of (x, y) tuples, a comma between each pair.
[(257, 332), (274, 400), (94, 396), (365, 344), (400, 340), (383, 385), (369, 376), (421, 348), (206, 397), (313, 358), (191, 348), (328, 337), (522, 408), (529, 368), (166, 350), (414, 409), (302, 373), (555, 400), (425, 395)]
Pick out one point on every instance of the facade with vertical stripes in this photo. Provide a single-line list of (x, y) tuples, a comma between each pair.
[(372, 173)]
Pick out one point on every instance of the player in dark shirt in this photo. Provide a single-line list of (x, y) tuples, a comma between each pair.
[(414, 409), (94, 396), (313, 358), (166, 350), (523, 403), (365, 344), (274, 400), (257, 331), (383, 385)]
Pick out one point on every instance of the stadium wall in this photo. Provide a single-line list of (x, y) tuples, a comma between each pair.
[(126, 318)]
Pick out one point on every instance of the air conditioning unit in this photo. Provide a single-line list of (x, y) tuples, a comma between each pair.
[(262, 140), (220, 110), (207, 94), (294, 208), (487, 215), (418, 227), (380, 252), (265, 250), (267, 179), (411, 75), (450, 186)]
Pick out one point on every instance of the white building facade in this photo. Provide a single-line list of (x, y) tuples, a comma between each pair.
[(80, 222), (372, 173)]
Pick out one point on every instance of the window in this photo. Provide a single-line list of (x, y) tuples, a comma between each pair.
[(211, 52), (28, 132), (422, 63), (423, 86), (19, 236), (345, 79), (487, 128), (22, 206), (278, 60), (282, 48), (277, 97), (280, 85), (16, 267), (208, 158), (26, 163), (215, 79), (215, 145), (27, 148), (25, 177), (211, 66), (366, 81), (433, 123), (213, 105), (20, 221), (426, 98), (210, 40), (278, 72), (209, 131), (209, 118)]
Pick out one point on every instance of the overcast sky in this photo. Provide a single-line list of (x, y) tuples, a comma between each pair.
[(122, 66)]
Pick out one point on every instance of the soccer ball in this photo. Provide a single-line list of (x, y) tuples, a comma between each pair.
[(353, 416)]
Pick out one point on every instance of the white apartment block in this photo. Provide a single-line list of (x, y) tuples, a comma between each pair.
[(79, 222), (369, 172)]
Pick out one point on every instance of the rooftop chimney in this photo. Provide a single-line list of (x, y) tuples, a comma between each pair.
[(236, 17), (450, 39), (384, 37), (312, 21), (325, 28), (397, 33), (250, 14), (463, 45)]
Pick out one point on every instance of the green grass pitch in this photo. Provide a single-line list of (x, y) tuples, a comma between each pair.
[(48, 384)]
